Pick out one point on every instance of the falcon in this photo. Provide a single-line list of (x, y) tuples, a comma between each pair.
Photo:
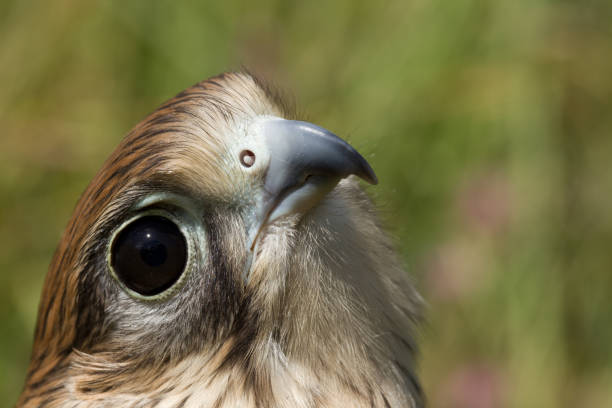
[(226, 256)]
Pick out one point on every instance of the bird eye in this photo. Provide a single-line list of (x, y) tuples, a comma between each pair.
[(149, 254)]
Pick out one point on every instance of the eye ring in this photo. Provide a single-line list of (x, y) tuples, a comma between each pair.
[(175, 285)]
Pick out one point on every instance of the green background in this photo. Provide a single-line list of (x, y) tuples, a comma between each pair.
[(489, 124)]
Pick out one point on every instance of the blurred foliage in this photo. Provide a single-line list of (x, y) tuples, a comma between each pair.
[(489, 124)]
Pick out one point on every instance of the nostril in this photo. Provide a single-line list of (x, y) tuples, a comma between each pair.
[(247, 158)]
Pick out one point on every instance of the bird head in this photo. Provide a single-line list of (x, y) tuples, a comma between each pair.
[(226, 255)]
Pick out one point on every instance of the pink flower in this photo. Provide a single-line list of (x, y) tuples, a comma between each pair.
[(473, 386)]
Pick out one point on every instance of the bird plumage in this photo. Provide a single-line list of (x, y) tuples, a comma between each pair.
[(320, 313)]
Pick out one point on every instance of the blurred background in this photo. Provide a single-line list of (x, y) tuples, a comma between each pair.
[(489, 124)]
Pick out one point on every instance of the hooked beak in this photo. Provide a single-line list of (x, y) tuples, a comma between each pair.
[(305, 163)]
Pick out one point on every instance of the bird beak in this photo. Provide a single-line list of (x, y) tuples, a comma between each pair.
[(305, 163)]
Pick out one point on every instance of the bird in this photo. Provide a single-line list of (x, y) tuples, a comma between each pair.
[(227, 254)]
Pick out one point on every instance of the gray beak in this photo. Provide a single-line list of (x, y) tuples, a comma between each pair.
[(305, 163)]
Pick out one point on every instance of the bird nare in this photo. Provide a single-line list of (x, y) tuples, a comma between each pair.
[(226, 256)]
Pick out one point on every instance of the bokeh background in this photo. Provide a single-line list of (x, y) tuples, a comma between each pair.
[(489, 124)]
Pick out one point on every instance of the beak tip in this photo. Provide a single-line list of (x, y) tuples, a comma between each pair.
[(367, 173), (370, 178)]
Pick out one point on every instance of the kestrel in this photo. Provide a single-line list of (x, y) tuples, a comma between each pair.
[(226, 256)]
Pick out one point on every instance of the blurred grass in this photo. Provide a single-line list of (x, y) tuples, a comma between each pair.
[(489, 125)]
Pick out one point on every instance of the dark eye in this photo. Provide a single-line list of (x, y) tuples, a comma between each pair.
[(149, 254)]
